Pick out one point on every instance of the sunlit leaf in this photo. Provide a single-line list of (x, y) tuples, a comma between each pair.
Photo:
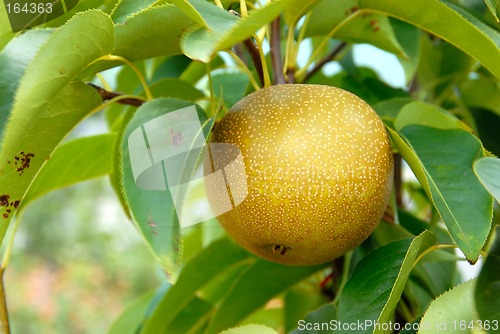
[(452, 312), (427, 115), (224, 30), (250, 329), (294, 13), (151, 33), (448, 22), (354, 27), (125, 8)]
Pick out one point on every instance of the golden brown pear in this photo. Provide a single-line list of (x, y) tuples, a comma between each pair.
[(319, 170)]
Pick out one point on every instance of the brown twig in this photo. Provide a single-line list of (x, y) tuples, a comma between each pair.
[(276, 60), (253, 50), (4, 315), (107, 95), (414, 86), (328, 58), (290, 75)]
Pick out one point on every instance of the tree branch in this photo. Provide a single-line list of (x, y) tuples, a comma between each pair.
[(276, 60), (328, 58), (253, 50), (106, 95)]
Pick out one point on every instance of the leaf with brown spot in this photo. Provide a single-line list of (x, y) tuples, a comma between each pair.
[(48, 105)]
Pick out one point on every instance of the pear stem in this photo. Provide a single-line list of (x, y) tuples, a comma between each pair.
[(277, 62)]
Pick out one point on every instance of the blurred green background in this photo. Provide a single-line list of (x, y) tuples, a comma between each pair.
[(77, 259)]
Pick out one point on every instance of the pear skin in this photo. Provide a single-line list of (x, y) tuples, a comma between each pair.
[(318, 172)]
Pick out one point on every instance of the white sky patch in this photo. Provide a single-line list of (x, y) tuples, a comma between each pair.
[(384, 63)]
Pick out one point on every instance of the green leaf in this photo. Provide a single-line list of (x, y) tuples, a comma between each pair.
[(441, 66), (74, 161), (204, 13), (217, 288), (494, 7), (488, 285), (6, 33), (324, 314), (389, 109), (150, 33), (487, 124), (225, 30), (192, 318), (48, 105), (125, 8), (450, 311), (376, 285), (14, 59), (294, 13), (365, 84), (250, 329), (233, 86), (482, 92), (488, 172), (442, 161), (448, 22), (153, 210), (132, 316), (256, 286), (200, 271), (351, 25), (271, 316), (408, 37), (26, 18), (197, 70), (427, 115), (175, 88), (170, 67), (299, 302)]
